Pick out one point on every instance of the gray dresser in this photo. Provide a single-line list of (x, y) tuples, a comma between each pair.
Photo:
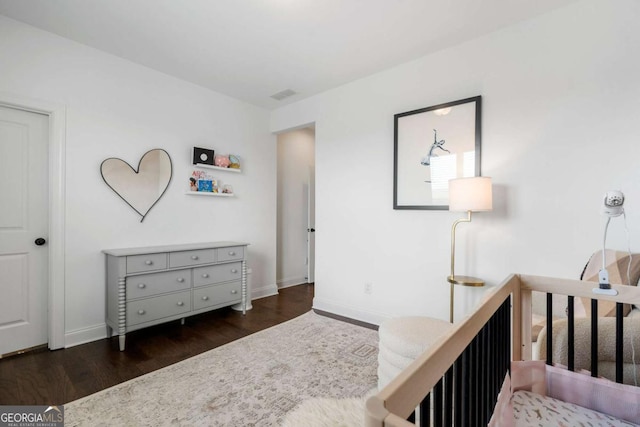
[(147, 286)]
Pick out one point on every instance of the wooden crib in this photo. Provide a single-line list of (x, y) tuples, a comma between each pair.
[(457, 381)]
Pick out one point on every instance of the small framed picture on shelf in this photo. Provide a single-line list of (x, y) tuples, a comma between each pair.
[(205, 185), (203, 156)]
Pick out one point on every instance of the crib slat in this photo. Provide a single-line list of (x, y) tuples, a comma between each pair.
[(493, 361), (473, 374), (506, 339), (493, 353), (503, 343), (503, 329), (482, 374), (594, 338), (549, 328), (425, 411), (437, 404), (619, 342), (448, 398), (466, 387), (570, 333), (486, 409), (459, 392), (473, 391)]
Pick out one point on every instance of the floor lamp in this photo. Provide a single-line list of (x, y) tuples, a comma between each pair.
[(470, 195)]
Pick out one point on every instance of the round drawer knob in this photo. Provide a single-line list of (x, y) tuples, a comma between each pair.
[(232, 253), (205, 298), (142, 285), (148, 262), (194, 257), (234, 271), (180, 279), (141, 312), (205, 276), (180, 303), (234, 291)]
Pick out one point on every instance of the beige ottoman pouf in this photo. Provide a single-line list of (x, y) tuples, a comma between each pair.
[(402, 340)]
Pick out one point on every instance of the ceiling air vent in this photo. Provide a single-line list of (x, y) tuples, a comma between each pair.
[(284, 94)]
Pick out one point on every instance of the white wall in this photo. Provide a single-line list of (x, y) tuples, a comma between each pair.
[(295, 161), (118, 109), (560, 127)]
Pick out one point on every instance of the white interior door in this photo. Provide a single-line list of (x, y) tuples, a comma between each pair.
[(24, 216), (311, 230)]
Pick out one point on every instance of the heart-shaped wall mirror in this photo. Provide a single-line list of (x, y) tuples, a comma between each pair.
[(141, 188)]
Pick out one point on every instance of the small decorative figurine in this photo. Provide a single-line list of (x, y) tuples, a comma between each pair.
[(235, 162), (222, 161)]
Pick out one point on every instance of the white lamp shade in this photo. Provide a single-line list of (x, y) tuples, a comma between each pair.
[(470, 194)]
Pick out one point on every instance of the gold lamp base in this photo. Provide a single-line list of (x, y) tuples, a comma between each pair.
[(465, 280)]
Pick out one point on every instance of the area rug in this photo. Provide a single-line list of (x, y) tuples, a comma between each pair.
[(253, 381)]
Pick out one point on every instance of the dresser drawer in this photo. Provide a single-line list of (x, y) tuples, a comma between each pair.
[(231, 253), (147, 285), (149, 262), (217, 294), (217, 273), (195, 257), (149, 309)]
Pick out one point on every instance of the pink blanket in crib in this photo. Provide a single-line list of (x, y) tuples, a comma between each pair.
[(578, 388)]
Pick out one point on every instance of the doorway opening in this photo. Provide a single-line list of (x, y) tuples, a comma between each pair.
[(295, 258)]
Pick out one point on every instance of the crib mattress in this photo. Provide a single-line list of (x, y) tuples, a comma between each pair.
[(531, 409)]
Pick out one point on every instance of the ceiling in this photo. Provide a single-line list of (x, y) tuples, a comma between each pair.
[(252, 49)]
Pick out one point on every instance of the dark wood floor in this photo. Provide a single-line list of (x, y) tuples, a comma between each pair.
[(56, 377)]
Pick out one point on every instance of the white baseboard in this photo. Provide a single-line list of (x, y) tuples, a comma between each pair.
[(291, 281), (264, 291), (85, 335), (336, 307)]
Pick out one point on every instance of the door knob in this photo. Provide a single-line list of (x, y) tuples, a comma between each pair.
[(40, 241), (311, 230)]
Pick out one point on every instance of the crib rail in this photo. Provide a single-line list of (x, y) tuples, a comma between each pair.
[(395, 402), (437, 376), (558, 288)]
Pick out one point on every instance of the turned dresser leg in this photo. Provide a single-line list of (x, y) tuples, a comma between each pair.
[(244, 287), (122, 313)]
